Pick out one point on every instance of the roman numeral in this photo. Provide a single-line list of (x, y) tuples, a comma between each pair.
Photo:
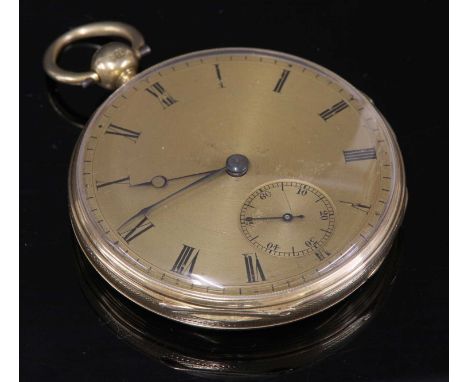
[(117, 130), (334, 110), (359, 206), (281, 81), (254, 271), (218, 76), (320, 253), (118, 181), (361, 154), (185, 261), (164, 98), (141, 227)]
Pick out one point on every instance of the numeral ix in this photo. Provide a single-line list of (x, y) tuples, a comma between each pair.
[(125, 180)]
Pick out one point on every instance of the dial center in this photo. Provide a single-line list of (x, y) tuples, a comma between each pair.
[(237, 165), (287, 217)]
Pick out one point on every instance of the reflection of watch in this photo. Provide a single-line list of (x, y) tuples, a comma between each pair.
[(230, 188), (260, 352)]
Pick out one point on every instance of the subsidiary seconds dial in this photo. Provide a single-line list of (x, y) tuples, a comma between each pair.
[(288, 218)]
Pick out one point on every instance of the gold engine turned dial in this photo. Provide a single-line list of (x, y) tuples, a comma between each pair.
[(288, 218)]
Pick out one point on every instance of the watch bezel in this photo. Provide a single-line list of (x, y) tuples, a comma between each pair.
[(233, 312)]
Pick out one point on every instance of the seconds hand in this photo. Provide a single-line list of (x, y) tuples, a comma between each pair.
[(286, 217), (287, 200)]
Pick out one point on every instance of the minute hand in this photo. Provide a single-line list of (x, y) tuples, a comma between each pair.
[(146, 210)]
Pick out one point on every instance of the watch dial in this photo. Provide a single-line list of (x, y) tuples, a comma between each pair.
[(236, 172)]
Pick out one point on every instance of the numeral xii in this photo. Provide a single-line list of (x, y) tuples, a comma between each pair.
[(218, 76)]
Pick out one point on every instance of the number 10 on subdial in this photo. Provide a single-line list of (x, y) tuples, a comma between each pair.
[(288, 218)]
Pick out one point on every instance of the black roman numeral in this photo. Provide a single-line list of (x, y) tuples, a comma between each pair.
[(359, 206), (118, 181), (141, 227), (361, 154), (164, 98), (117, 130), (254, 272), (185, 261), (320, 253), (281, 81), (335, 109), (218, 76)]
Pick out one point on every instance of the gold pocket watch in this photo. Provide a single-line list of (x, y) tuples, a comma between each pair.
[(230, 188)]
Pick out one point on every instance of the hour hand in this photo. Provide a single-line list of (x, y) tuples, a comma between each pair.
[(236, 165), (161, 181), (144, 211)]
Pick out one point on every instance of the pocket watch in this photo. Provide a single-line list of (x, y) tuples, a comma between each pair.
[(230, 188)]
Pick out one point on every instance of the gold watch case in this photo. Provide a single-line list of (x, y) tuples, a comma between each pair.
[(309, 221)]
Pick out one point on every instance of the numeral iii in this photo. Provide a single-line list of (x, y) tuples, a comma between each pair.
[(361, 154)]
